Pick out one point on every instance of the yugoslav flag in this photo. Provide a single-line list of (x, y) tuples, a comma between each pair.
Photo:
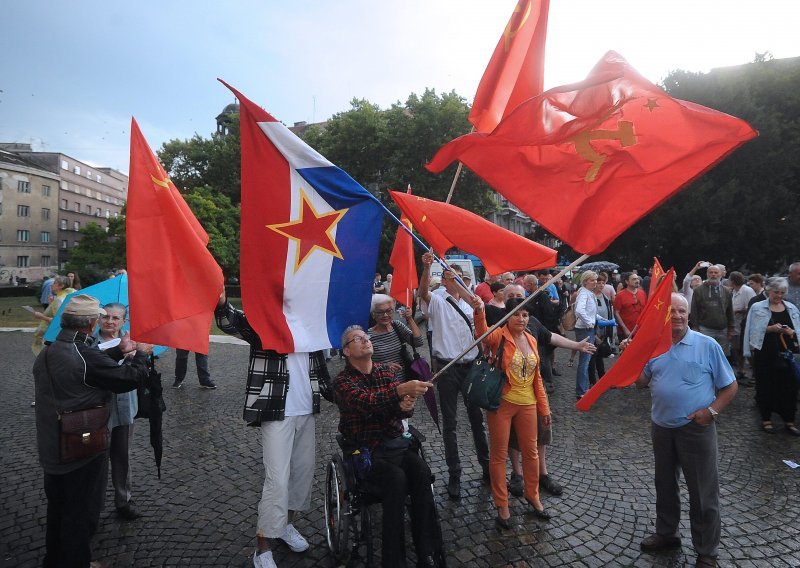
[(309, 239)]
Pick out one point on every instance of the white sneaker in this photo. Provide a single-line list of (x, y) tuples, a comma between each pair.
[(294, 539), (263, 560)]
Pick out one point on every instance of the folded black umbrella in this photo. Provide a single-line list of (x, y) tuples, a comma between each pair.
[(152, 406)]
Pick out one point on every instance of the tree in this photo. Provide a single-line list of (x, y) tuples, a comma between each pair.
[(220, 218), (99, 251), (744, 212), (388, 150), (214, 162)]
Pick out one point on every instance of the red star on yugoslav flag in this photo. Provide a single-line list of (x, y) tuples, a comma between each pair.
[(311, 231)]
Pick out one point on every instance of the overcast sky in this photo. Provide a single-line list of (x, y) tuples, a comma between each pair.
[(73, 73)]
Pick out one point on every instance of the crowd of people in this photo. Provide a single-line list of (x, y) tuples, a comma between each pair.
[(719, 323)]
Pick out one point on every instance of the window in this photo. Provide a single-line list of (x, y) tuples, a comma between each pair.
[(24, 186), (45, 213), (63, 244), (77, 170), (64, 204), (77, 207), (99, 195), (64, 165), (46, 190), (45, 235), (99, 178), (75, 243), (23, 235), (23, 211), (88, 209), (64, 185), (76, 226), (116, 214), (22, 261), (64, 224), (89, 174), (45, 260), (108, 213)]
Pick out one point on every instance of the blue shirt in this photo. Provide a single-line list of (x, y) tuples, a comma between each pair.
[(685, 378), (47, 289)]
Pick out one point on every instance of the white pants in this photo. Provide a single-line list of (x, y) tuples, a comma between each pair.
[(288, 448)]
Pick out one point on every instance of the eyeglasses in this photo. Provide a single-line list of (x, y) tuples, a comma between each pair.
[(358, 339), (113, 318), (387, 312)]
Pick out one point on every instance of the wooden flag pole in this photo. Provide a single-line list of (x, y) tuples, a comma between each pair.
[(455, 177)]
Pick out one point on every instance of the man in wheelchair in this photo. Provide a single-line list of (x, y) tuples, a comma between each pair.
[(371, 404)]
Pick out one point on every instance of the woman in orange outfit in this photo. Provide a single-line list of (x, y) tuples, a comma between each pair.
[(523, 397)]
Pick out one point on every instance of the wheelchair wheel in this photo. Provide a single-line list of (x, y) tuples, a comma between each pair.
[(338, 511)]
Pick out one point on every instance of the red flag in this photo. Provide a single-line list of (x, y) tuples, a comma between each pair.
[(656, 273), (173, 281), (653, 338), (445, 226), (404, 276), (588, 160), (515, 71)]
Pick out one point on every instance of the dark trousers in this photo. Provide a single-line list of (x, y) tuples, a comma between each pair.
[(395, 474), (452, 383), (545, 367), (69, 514), (597, 368), (692, 449), (182, 362), (776, 390)]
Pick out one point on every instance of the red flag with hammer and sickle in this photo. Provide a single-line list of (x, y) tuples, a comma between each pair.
[(588, 160)]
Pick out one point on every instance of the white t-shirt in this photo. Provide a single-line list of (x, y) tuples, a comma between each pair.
[(451, 334), (299, 399)]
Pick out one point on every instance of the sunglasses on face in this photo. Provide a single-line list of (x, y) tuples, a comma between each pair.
[(357, 339)]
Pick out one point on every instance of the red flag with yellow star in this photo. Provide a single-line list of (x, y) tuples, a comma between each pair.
[(652, 338), (655, 274), (173, 281), (588, 160), (309, 240), (515, 71), (404, 276)]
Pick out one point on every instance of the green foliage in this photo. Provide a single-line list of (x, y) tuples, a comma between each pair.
[(220, 218), (744, 212), (387, 149), (214, 162), (99, 251)]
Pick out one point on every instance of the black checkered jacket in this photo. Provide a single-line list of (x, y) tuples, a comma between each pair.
[(267, 376)]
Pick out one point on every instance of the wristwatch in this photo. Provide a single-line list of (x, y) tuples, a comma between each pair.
[(713, 412)]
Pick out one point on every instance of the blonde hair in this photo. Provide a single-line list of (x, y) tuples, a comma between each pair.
[(588, 275)]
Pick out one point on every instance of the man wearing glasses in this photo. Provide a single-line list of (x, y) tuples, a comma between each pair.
[(451, 318), (372, 402)]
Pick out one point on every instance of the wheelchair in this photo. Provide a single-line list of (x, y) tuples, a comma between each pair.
[(347, 510)]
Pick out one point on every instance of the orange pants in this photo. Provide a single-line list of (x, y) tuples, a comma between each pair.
[(524, 419)]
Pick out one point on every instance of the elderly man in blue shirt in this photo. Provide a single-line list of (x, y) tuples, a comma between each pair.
[(691, 384)]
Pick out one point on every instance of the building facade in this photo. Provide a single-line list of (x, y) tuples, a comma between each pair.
[(28, 219), (86, 194)]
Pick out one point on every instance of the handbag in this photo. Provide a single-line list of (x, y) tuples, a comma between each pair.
[(485, 380), (792, 359), (405, 356), (569, 319), (82, 433), (604, 349)]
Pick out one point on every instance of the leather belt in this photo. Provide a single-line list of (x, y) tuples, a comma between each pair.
[(444, 362)]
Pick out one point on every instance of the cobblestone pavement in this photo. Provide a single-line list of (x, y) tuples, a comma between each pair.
[(203, 510)]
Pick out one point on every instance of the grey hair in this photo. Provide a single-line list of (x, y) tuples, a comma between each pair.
[(794, 266), (720, 267), (63, 281), (76, 323), (777, 284), (679, 296), (508, 289), (118, 306), (380, 299), (348, 330)]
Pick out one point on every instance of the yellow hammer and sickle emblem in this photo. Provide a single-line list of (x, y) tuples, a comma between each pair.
[(510, 31), (162, 182), (584, 148)]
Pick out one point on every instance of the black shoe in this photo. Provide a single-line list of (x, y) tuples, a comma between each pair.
[(541, 513), (454, 487), (516, 486), (657, 542), (502, 524), (208, 385), (556, 372), (177, 384), (128, 512), (550, 485)]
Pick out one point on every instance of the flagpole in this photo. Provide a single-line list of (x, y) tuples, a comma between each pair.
[(552, 279), (455, 177)]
